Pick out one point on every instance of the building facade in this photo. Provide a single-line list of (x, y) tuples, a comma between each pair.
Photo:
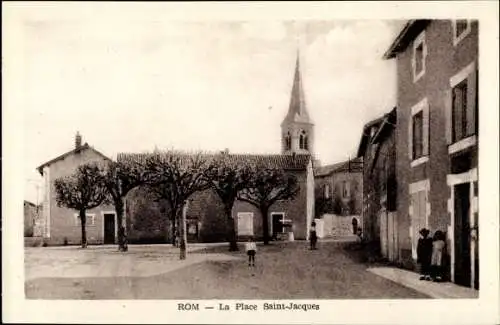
[(378, 150), (206, 221), (437, 140), (61, 225)]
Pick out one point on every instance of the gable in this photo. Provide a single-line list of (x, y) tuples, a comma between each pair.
[(85, 150)]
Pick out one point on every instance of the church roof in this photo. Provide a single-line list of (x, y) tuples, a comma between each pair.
[(297, 111), (352, 166), (286, 162)]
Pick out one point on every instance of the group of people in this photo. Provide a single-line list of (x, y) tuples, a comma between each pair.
[(430, 255)]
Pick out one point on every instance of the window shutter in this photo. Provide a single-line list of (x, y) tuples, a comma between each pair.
[(471, 102), (410, 137), (425, 131), (448, 106)]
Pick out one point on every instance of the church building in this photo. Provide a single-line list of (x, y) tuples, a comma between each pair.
[(147, 220), (205, 215)]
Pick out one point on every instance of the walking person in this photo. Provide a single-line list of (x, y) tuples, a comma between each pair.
[(313, 236), (354, 225), (438, 245), (251, 249), (424, 254)]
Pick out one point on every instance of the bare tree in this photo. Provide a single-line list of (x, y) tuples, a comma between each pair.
[(120, 178), (268, 185), (227, 179), (82, 191), (179, 176)]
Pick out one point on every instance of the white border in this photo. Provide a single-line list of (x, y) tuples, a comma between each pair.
[(484, 310)]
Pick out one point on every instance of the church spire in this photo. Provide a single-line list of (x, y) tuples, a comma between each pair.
[(297, 110), (297, 129)]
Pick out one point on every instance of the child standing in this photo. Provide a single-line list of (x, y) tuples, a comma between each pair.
[(251, 249), (424, 254), (313, 237), (438, 245)]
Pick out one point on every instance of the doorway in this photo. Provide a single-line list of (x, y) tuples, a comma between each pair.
[(277, 224), (462, 240), (109, 228)]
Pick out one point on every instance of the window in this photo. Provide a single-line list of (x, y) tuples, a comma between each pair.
[(346, 189), (417, 144), (90, 221), (303, 141), (327, 191), (245, 223), (418, 133), (459, 113), (462, 109), (419, 55), (288, 141), (461, 28)]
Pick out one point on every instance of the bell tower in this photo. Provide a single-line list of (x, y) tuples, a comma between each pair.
[(297, 129)]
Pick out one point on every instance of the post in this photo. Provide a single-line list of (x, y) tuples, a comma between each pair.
[(183, 245)]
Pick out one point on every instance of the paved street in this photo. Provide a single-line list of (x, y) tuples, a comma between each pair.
[(283, 270)]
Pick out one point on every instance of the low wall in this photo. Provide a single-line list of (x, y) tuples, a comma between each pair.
[(331, 225)]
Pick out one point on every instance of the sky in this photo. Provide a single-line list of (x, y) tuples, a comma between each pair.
[(132, 85)]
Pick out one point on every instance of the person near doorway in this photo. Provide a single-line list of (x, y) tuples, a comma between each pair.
[(424, 254), (251, 249), (354, 225), (438, 245), (313, 236)]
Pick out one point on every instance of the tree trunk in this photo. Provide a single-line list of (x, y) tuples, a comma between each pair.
[(233, 245), (183, 233), (265, 224), (83, 222), (173, 230), (122, 234)]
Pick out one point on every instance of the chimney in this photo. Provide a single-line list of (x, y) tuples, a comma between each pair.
[(78, 141)]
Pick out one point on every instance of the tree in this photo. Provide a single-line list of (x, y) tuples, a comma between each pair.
[(227, 180), (82, 191), (178, 176), (267, 186), (120, 178)]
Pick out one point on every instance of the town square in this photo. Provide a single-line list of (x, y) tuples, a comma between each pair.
[(251, 165)]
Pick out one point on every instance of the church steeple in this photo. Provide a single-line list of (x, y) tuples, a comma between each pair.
[(297, 110), (297, 127)]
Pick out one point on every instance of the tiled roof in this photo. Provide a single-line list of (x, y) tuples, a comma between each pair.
[(64, 155), (287, 162), (354, 165), (366, 136)]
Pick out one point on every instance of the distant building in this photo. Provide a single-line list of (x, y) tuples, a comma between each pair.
[(437, 140), (62, 225), (378, 150), (340, 185), (338, 199), (30, 216)]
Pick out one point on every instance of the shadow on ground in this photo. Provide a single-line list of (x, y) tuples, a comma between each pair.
[(283, 271)]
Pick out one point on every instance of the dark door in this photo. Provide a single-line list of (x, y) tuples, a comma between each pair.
[(462, 235), (109, 228), (277, 224)]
